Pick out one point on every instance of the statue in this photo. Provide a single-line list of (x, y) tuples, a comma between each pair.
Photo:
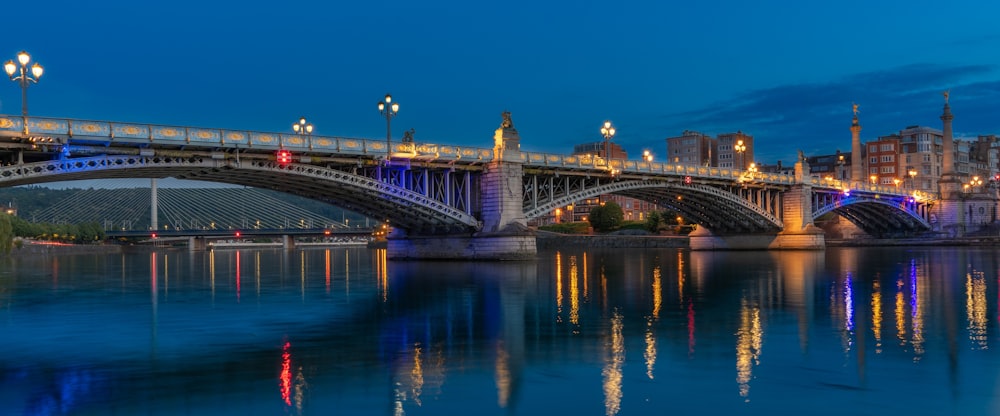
[(507, 123), (802, 156), (855, 108), (946, 93), (408, 135)]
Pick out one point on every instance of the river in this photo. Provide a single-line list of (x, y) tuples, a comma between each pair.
[(845, 331)]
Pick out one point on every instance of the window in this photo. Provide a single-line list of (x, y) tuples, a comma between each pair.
[(888, 158), (888, 169), (887, 147), (873, 148), (927, 158), (873, 160)]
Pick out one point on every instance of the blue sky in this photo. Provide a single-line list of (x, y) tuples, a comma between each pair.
[(783, 71)]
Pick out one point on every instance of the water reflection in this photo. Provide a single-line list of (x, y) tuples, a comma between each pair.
[(324, 328)]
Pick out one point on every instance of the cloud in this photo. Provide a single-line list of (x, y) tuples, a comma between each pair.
[(816, 117)]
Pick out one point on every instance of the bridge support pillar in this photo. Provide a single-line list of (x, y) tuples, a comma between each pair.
[(197, 244), (504, 235), (288, 242), (799, 232)]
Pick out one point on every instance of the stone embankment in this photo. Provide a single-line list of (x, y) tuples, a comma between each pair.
[(544, 240)]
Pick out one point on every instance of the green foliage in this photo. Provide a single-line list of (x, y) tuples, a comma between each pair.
[(6, 233), (633, 225), (567, 228), (653, 222), (606, 217)]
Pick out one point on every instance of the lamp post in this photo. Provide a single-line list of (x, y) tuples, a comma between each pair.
[(389, 110), (874, 179), (740, 148), (608, 131), (302, 127), (912, 173), (23, 79), (646, 156), (840, 167)]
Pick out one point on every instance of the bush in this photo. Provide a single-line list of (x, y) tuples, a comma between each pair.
[(606, 217)]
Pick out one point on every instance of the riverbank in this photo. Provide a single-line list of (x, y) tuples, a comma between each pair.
[(896, 242)]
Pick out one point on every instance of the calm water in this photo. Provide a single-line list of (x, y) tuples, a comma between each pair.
[(578, 332)]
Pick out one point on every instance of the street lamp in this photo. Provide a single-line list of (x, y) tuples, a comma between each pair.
[(608, 131), (302, 127), (913, 176), (646, 156), (840, 167), (23, 79), (874, 179), (740, 148), (389, 110)]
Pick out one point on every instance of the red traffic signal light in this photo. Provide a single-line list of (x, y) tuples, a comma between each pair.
[(284, 157)]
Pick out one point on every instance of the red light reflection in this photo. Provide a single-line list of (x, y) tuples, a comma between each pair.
[(285, 378)]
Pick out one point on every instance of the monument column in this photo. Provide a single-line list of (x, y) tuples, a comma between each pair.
[(951, 209), (857, 161)]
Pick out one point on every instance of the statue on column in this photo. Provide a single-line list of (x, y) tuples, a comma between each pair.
[(507, 123), (946, 93), (855, 105), (408, 135)]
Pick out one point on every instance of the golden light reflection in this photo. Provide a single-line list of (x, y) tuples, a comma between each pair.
[(302, 273), (559, 291), (749, 340), (877, 315), (976, 309), (502, 375), (381, 256), (211, 271), (256, 270), (326, 262), (612, 372), (680, 277), (650, 353), (900, 313), (574, 293), (417, 374), (657, 291), (347, 272), (166, 276)]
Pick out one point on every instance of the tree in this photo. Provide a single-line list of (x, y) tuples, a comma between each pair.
[(606, 217), (653, 221)]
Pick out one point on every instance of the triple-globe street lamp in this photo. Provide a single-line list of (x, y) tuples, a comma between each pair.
[(608, 131), (389, 110), (303, 127), (740, 147), (18, 72)]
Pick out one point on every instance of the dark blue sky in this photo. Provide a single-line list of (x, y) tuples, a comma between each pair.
[(783, 71)]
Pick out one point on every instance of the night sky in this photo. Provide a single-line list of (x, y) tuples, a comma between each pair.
[(786, 72)]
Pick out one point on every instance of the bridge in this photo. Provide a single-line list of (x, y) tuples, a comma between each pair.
[(454, 201)]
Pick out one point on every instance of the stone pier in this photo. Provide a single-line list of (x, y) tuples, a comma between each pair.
[(504, 234)]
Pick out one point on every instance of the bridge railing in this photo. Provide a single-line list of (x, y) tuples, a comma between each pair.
[(136, 133), (646, 167)]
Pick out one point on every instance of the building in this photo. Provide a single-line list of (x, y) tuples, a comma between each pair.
[(734, 150), (883, 157), (834, 166), (691, 148)]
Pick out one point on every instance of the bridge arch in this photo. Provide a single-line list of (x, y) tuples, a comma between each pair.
[(403, 208), (875, 215), (718, 209)]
